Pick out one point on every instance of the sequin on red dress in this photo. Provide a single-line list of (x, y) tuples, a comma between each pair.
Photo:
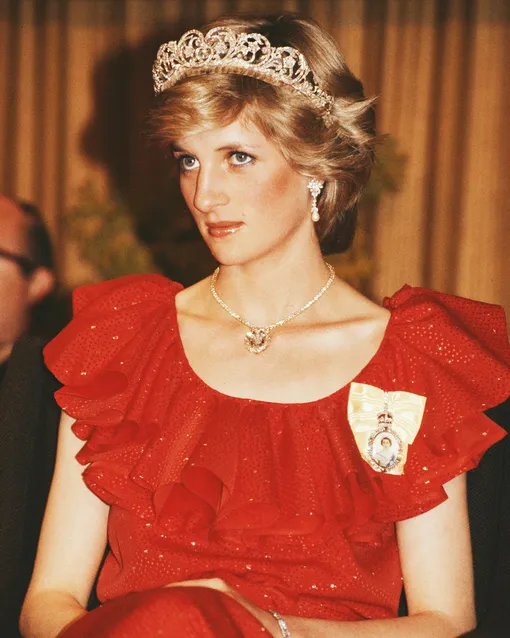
[(273, 498)]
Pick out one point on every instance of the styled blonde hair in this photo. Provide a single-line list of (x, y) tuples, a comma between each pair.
[(340, 153)]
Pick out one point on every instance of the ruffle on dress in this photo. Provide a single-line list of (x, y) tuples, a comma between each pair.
[(162, 444), (455, 352)]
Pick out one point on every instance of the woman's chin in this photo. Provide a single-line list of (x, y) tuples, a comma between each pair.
[(229, 255), (236, 251), (225, 259)]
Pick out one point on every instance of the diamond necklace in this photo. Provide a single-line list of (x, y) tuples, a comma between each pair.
[(257, 339)]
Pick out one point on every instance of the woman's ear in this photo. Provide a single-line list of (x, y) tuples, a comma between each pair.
[(40, 285)]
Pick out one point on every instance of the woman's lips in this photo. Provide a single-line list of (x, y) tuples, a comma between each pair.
[(223, 229)]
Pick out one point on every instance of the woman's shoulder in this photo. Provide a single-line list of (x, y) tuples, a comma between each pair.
[(442, 341), (441, 321), (125, 291), (109, 318), (413, 304)]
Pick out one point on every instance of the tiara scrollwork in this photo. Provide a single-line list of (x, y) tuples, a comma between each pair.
[(222, 49)]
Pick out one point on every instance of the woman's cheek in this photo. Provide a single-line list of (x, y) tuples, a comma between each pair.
[(187, 190)]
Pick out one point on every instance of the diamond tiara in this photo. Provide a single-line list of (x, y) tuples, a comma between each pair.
[(222, 49)]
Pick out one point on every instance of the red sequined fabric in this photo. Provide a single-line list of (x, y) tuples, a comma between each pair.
[(273, 498), (174, 612)]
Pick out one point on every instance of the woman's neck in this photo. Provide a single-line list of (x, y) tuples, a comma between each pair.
[(271, 288)]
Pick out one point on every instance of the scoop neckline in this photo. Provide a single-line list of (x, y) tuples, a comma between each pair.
[(278, 404)]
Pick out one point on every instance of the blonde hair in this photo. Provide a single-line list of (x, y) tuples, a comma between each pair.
[(340, 153)]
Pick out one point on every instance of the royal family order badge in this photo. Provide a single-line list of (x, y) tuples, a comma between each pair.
[(384, 424)]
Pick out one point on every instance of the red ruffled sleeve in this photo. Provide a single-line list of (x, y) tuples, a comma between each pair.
[(455, 353), (100, 358)]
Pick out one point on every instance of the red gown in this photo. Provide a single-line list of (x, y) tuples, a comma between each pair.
[(273, 498)]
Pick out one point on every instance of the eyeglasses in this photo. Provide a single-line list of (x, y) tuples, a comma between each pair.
[(27, 265)]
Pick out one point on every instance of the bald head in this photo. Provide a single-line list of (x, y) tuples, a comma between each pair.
[(14, 227)]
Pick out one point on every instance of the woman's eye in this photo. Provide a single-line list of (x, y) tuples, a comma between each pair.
[(239, 158), (186, 162)]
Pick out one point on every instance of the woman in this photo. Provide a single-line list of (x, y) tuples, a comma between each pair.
[(231, 428), (385, 455)]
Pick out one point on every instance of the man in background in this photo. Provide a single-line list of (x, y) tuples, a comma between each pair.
[(26, 271), (28, 413)]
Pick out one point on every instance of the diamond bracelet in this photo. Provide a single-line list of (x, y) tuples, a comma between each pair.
[(281, 624)]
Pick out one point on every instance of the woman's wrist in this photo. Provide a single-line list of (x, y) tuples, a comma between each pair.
[(282, 625)]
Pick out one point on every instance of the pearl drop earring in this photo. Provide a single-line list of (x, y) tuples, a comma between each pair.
[(315, 187)]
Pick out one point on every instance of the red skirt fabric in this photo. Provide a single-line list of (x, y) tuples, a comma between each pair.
[(177, 612)]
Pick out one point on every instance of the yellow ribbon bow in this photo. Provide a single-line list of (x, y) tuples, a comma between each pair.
[(382, 440)]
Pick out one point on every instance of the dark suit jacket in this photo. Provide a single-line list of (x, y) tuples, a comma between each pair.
[(29, 420), (489, 518)]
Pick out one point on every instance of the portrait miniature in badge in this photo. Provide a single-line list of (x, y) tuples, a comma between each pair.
[(384, 425), (384, 445)]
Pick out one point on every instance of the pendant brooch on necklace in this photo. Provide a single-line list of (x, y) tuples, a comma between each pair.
[(258, 338)]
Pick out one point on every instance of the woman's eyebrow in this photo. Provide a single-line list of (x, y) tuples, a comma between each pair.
[(232, 146)]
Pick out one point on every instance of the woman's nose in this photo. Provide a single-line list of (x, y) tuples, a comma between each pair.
[(210, 190)]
